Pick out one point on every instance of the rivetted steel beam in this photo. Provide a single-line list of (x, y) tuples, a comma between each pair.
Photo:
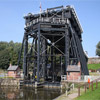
[(35, 59), (82, 56), (66, 46), (38, 53), (53, 29), (25, 55), (44, 57), (52, 59)]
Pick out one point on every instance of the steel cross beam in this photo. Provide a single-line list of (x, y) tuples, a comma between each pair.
[(53, 44)]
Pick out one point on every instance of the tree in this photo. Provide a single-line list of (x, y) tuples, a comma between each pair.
[(98, 49), (4, 59), (9, 54)]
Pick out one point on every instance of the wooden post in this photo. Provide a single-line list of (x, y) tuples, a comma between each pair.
[(92, 85), (78, 91), (96, 84), (85, 88)]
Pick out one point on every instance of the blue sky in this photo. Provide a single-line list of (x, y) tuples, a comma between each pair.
[(12, 22)]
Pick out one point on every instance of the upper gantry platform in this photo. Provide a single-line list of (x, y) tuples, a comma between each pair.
[(57, 15)]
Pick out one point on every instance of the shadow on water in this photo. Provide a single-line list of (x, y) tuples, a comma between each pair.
[(28, 93)]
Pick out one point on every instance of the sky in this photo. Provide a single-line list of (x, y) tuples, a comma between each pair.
[(13, 11)]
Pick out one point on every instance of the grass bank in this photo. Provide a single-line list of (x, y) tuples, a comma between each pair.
[(93, 66), (91, 95)]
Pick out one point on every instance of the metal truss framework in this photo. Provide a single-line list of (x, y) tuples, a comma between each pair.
[(56, 43)]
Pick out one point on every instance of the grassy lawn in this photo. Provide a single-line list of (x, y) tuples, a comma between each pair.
[(91, 95), (93, 66)]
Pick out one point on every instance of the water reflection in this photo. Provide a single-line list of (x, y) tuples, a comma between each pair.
[(28, 93)]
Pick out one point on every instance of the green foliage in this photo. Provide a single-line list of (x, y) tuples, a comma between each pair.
[(9, 53), (93, 66), (98, 49), (4, 59)]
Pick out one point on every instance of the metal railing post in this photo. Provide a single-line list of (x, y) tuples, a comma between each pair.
[(78, 91), (96, 84), (85, 88), (92, 85)]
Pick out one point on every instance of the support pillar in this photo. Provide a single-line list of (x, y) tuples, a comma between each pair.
[(61, 64), (38, 53), (44, 57), (35, 59), (66, 46), (25, 69), (52, 63)]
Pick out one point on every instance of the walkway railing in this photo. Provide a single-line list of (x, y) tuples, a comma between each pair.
[(82, 78), (88, 85)]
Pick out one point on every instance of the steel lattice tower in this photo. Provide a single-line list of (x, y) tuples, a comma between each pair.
[(57, 37)]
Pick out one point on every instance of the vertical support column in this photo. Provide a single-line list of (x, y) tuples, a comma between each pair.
[(66, 46), (52, 63), (25, 69), (46, 60), (35, 63), (38, 53), (61, 64), (44, 57), (55, 73)]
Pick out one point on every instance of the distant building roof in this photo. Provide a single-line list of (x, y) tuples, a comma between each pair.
[(73, 68), (12, 68)]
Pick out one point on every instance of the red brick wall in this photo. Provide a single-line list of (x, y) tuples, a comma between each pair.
[(11, 74), (14, 73), (73, 75)]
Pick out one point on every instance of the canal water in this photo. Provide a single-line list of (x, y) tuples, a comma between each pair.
[(28, 93)]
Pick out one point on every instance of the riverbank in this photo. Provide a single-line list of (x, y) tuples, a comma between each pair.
[(9, 82)]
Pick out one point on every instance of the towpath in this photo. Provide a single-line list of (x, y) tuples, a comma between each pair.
[(71, 96)]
